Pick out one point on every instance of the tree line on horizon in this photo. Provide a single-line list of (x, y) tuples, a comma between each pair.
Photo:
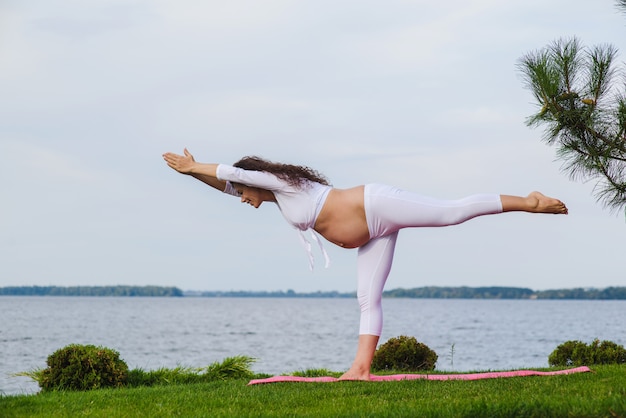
[(495, 292), (429, 292), (155, 291)]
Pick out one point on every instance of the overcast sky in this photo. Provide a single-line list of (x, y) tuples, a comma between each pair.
[(419, 94)]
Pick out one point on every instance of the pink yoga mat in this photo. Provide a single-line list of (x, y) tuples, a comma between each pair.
[(395, 377)]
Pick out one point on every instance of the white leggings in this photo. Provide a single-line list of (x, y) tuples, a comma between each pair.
[(389, 209)]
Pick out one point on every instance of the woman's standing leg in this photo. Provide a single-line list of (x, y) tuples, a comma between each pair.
[(373, 266)]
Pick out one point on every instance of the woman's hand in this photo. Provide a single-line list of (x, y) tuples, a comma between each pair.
[(185, 164), (181, 163)]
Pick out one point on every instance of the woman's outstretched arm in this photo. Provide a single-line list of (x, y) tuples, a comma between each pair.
[(185, 164)]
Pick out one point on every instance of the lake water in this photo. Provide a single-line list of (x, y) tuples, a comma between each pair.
[(286, 335)]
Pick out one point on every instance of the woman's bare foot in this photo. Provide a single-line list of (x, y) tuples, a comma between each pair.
[(360, 369), (355, 374), (539, 203), (535, 202)]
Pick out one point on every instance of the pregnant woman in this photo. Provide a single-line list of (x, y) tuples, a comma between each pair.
[(367, 217)]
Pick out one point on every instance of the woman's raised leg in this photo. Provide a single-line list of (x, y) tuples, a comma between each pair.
[(389, 209)]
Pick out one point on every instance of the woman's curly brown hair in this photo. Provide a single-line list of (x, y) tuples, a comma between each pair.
[(295, 175)]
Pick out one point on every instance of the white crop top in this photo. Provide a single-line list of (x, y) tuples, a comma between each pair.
[(300, 206)]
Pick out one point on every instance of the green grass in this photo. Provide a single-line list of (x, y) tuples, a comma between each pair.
[(598, 394)]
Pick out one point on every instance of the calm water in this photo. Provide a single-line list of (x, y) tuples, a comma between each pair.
[(286, 335)]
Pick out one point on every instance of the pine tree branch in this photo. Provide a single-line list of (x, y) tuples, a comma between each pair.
[(590, 134)]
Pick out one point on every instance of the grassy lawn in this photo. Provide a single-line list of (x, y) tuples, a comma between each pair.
[(598, 394)]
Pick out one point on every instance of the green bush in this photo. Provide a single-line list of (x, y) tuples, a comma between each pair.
[(83, 367), (404, 354), (577, 353), (570, 353)]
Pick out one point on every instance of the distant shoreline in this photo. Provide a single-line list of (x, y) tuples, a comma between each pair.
[(430, 292)]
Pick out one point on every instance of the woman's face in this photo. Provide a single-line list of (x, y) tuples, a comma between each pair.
[(250, 195)]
